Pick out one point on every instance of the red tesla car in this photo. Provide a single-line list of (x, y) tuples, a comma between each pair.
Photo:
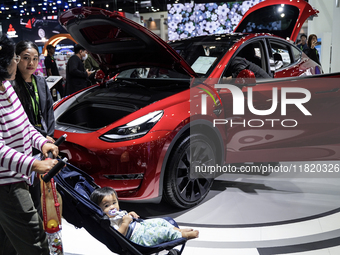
[(146, 126)]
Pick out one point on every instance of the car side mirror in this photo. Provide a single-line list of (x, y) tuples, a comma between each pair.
[(245, 77)]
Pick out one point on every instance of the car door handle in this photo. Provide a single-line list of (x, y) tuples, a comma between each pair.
[(327, 91)]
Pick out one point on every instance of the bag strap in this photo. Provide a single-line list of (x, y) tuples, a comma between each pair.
[(56, 203)]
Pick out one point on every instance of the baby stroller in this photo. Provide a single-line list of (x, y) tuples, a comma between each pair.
[(75, 187)]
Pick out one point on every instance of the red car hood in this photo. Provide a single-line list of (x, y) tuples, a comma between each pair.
[(118, 43), (283, 18)]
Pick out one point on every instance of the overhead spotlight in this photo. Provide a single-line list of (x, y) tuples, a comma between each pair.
[(151, 19)]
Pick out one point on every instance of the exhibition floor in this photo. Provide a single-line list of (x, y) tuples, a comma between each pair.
[(247, 214)]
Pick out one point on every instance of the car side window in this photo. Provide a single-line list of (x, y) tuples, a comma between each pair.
[(280, 55), (253, 52), (296, 54)]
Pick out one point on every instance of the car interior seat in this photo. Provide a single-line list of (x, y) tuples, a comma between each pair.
[(248, 52), (278, 60)]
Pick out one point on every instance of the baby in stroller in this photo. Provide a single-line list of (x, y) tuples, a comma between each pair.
[(144, 232)]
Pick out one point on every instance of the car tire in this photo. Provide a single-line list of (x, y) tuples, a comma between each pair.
[(180, 189)]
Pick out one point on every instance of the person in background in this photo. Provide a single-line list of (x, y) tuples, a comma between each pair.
[(52, 69), (302, 45), (76, 74), (33, 91), (92, 65), (238, 64), (36, 99), (21, 228), (312, 52)]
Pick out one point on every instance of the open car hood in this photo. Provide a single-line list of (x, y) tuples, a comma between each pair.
[(283, 18), (118, 43)]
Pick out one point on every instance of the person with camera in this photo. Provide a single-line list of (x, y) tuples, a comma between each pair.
[(312, 52)]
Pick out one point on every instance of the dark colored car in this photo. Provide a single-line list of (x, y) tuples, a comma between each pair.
[(144, 128)]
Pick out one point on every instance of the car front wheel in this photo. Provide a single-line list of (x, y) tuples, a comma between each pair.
[(183, 187)]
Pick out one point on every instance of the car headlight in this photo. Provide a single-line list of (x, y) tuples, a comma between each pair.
[(134, 129)]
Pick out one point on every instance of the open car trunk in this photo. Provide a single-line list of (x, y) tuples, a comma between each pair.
[(103, 106)]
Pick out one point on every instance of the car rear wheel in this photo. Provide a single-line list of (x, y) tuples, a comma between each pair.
[(180, 188)]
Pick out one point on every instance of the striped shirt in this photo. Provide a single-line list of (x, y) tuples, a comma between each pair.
[(17, 136)]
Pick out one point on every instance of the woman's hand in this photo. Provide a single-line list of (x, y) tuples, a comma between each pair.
[(43, 166), (50, 147), (313, 44), (50, 139)]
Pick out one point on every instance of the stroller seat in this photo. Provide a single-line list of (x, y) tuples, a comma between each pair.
[(75, 188)]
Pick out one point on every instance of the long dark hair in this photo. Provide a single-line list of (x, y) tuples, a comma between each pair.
[(98, 194), (6, 56), (310, 38), (19, 83)]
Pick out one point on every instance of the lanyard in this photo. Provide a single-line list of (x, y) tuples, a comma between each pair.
[(35, 100)]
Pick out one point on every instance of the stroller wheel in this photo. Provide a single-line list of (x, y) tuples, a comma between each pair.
[(174, 252)]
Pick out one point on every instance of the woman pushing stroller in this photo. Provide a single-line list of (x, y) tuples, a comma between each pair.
[(144, 232)]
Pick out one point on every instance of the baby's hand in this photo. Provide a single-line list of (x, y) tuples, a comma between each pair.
[(127, 219), (134, 215)]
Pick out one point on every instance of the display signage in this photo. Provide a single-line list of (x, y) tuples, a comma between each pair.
[(11, 33)]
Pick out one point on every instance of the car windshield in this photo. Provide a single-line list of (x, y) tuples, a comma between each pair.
[(201, 53), (204, 52)]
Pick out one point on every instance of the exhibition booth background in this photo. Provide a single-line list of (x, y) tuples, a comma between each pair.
[(186, 20)]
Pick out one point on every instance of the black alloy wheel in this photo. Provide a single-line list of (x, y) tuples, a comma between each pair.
[(181, 188)]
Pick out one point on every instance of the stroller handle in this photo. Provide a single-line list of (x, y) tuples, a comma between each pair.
[(47, 177), (59, 141)]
